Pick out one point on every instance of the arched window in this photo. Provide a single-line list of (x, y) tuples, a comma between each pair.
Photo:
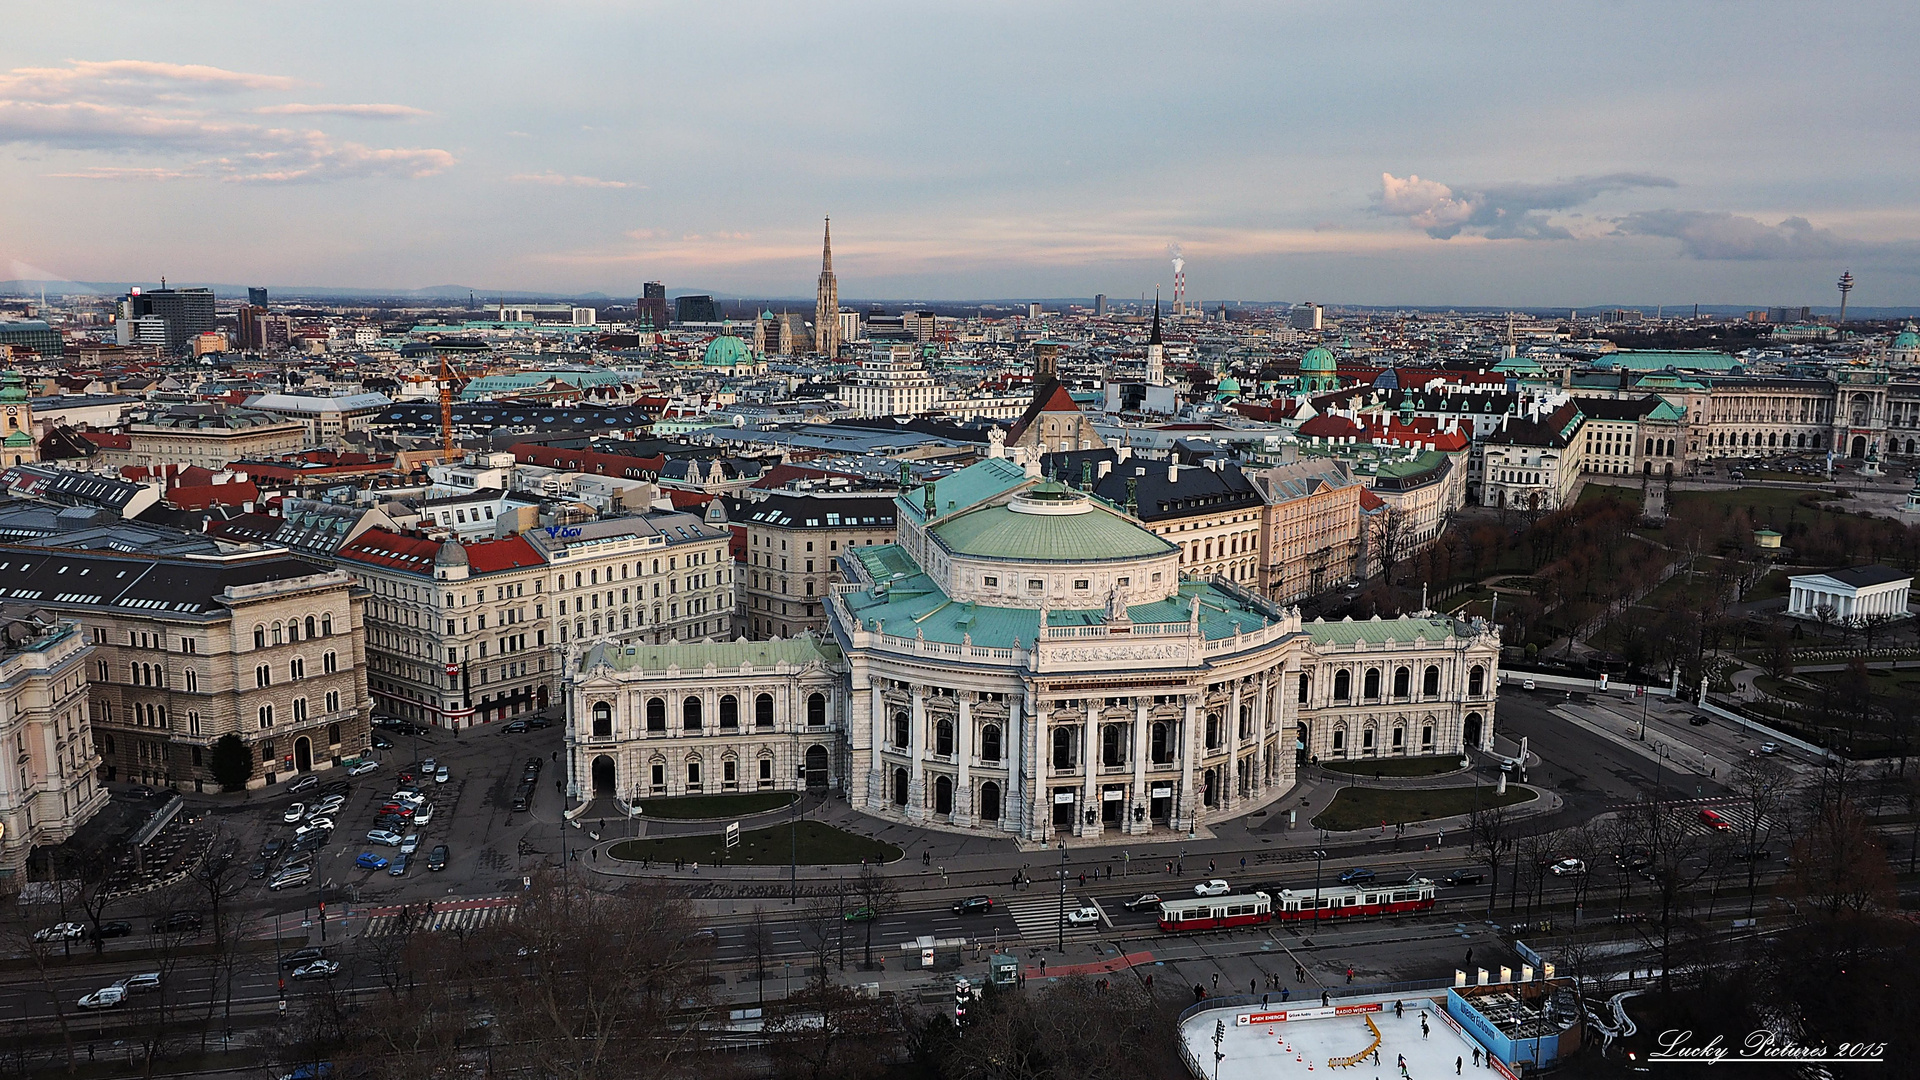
[(690, 714), (989, 801), (1160, 743), (990, 743), (1306, 686), (729, 711), (763, 711), (816, 710), (1366, 740), (1371, 684), (1339, 742), (1476, 681), (276, 633), (259, 637), (313, 625), (899, 787), (1426, 737), (1113, 745), (1213, 730), (1399, 738), (1430, 682), (293, 630), (943, 795), (1062, 748), (943, 737), (602, 720), (193, 681), (1402, 682), (1343, 686), (656, 715), (326, 625), (902, 727)]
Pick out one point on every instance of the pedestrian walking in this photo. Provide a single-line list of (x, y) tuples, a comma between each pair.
[(1209, 866), (1043, 965), (1469, 956), (1399, 1010), (1456, 1066), (1476, 1057), (1216, 980), (1285, 992), (1376, 1058), (1251, 988), (1402, 1063), (1149, 980), (1349, 976), (1263, 1001), (1424, 1030), (1109, 871), (1243, 864), (1083, 879), (593, 854), (1326, 998)]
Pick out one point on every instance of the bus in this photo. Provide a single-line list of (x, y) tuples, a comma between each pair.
[(1346, 901), (1216, 912)]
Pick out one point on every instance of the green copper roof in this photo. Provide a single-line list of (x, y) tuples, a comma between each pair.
[(694, 656), (12, 386), (19, 438), (1667, 411), (997, 532), (1378, 631), (726, 351), (1906, 339), (1318, 360), (1660, 360), (967, 487)]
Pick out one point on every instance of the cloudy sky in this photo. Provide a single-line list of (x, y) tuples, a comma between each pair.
[(1531, 154)]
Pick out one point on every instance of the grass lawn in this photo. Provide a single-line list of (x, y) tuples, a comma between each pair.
[(1366, 808), (818, 844), (1401, 766), (716, 806)]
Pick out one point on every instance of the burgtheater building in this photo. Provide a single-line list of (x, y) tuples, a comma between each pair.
[(1028, 661)]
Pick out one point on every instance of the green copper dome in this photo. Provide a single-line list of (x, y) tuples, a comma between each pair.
[(13, 387), (726, 351), (1229, 388), (19, 438), (1094, 534), (1318, 361), (1906, 340)]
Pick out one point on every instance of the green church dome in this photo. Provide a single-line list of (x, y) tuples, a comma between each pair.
[(1318, 361), (726, 351), (1229, 388), (13, 386)]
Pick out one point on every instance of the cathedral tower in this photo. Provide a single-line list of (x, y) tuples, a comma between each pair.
[(826, 304)]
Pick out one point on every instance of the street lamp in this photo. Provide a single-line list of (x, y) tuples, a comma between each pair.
[(1063, 898), (1319, 856)]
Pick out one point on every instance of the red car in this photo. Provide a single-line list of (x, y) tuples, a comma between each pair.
[(397, 810), (1715, 821)]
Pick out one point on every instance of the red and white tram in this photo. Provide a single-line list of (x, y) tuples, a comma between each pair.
[(1346, 901), (1216, 912)]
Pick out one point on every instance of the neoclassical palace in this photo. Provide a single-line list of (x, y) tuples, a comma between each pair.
[(1027, 660)]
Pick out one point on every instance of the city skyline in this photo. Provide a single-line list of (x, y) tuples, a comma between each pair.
[(1598, 154)]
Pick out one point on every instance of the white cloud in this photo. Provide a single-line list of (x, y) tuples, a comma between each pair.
[(1511, 211), (142, 78), (1717, 234), (374, 111), (554, 179)]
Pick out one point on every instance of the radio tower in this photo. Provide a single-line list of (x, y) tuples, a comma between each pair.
[(1179, 286), (1846, 286)]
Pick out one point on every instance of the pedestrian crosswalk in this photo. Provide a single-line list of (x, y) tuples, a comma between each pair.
[(457, 915), (1040, 919)]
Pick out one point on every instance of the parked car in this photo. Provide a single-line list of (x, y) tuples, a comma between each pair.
[(367, 860), (1758, 854), (257, 869), (1568, 868), (313, 841), (1528, 684), (179, 920), (66, 931), (321, 826), (139, 984), (381, 742), (363, 767), (534, 765), (305, 955), (305, 783), (318, 969), (112, 929), (971, 904), (1769, 747), (1699, 720), (428, 766), (424, 815), (384, 836), (294, 813), (515, 728), (523, 797), (1359, 875), (398, 867), (397, 810), (1713, 820), (1143, 902), (1086, 916), (1216, 887), (539, 722), (327, 805), (104, 998), (335, 787), (272, 848), (441, 776), (437, 858), (409, 798), (287, 879), (1463, 877), (410, 844), (321, 1071)]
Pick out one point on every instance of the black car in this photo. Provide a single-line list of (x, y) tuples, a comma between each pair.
[(1463, 877), (257, 869), (111, 929), (1758, 854), (539, 722), (303, 956), (381, 742), (972, 904), (335, 787), (437, 858), (516, 727), (535, 764), (1699, 720), (523, 797), (272, 848), (178, 921)]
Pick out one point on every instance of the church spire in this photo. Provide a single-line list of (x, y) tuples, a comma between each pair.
[(826, 249), (826, 304), (1154, 337)]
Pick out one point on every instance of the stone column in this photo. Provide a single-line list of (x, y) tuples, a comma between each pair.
[(963, 751), (1188, 799), (876, 738), (1014, 809), (1230, 794), (1263, 741), (1089, 771), (1139, 799), (917, 742)]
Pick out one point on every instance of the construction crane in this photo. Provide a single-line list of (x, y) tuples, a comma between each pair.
[(448, 370)]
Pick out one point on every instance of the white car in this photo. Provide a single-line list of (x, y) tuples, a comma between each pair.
[(104, 998), (424, 814), (1528, 684), (319, 969), (410, 845), (325, 807), (289, 878), (1086, 916), (314, 826), (383, 836), (135, 983), (294, 813), (362, 768), (1216, 887), (1568, 868), (66, 931), (409, 798), (440, 775)]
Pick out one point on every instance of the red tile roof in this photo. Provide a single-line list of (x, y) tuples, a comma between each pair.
[(392, 551), (493, 556)]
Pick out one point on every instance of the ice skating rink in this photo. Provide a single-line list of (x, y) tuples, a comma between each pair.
[(1301, 1045)]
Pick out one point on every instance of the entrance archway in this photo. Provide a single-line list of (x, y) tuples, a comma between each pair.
[(303, 754), (816, 766), (1471, 735), (603, 776), (1859, 446), (943, 795), (543, 697), (1300, 744)]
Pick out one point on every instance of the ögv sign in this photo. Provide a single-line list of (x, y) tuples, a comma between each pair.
[(562, 532)]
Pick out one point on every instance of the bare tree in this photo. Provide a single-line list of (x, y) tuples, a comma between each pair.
[(1763, 786), (1839, 866), (1490, 829), (1676, 850), (44, 956), (1392, 538), (1082, 1028), (880, 896), (833, 1031)]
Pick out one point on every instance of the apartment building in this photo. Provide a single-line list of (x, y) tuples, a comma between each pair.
[(1310, 529), (256, 643), (657, 578), (49, 790), (211, 436), (794, 541), (457, 632)]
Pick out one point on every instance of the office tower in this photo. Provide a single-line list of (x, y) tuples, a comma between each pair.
[(651, 309), (1099, 305), (696, 308), (1033, 311), (1305, 317), (826, 302), (849, 326), (256, 296), (187, 313)]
